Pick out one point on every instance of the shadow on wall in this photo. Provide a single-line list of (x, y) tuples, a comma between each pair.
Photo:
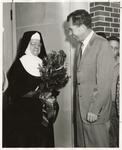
[(69, 38), (73, 45)]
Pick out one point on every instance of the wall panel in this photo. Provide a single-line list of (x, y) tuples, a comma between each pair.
[(49, 19)]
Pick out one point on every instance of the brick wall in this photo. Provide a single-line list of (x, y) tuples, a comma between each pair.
[(106, 17)]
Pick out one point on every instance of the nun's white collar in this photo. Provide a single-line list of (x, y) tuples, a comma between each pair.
[(31, 63)]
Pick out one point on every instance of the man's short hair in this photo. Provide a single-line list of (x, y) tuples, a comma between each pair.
[(80, 17), (101, 34), (111, 38)]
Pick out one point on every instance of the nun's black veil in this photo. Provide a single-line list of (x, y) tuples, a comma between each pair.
[(22, 48), (25, 41)]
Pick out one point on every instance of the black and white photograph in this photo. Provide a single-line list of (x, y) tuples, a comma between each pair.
[(60, 74)]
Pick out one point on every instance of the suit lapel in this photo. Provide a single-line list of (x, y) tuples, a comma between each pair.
[(87, 49)]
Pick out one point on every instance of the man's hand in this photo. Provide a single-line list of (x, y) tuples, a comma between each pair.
[(91, 117)]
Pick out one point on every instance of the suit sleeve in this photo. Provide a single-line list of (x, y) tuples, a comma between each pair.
[(102, 91)]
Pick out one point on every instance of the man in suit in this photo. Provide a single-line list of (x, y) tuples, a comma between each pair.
[(94, 79)]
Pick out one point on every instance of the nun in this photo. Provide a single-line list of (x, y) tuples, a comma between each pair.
[(22, 116)]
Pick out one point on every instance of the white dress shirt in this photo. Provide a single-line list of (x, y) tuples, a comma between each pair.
[(86, 41)]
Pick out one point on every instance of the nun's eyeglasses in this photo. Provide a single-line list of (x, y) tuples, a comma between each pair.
[(35, 44)]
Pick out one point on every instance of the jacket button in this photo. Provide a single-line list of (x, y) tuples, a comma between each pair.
[(78, 83)]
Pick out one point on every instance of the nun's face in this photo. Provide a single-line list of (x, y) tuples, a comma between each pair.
[(35, 47)]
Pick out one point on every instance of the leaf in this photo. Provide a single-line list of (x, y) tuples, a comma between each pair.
[(54, 74)]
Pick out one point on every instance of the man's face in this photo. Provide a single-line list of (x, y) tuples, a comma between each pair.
[(115, 47), (35, 47), (76, 31)]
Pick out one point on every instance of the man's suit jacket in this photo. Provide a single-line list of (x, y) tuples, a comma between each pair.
[(94, 79)]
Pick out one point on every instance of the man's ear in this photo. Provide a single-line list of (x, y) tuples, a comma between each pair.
[(83, 27)]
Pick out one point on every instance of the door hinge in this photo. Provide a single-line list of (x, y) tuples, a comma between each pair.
[(11, 14)]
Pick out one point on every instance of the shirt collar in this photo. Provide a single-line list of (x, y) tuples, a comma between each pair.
[(85, 42)]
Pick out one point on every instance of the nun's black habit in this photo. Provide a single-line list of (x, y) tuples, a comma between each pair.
[(22, 116)]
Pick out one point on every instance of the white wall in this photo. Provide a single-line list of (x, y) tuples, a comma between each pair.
[(49, 18), (7, 37)]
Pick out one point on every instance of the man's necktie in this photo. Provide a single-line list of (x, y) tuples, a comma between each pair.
[(80, 50), (80, 53)]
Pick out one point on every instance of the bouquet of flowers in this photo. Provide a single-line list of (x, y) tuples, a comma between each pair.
[(54, 77)]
